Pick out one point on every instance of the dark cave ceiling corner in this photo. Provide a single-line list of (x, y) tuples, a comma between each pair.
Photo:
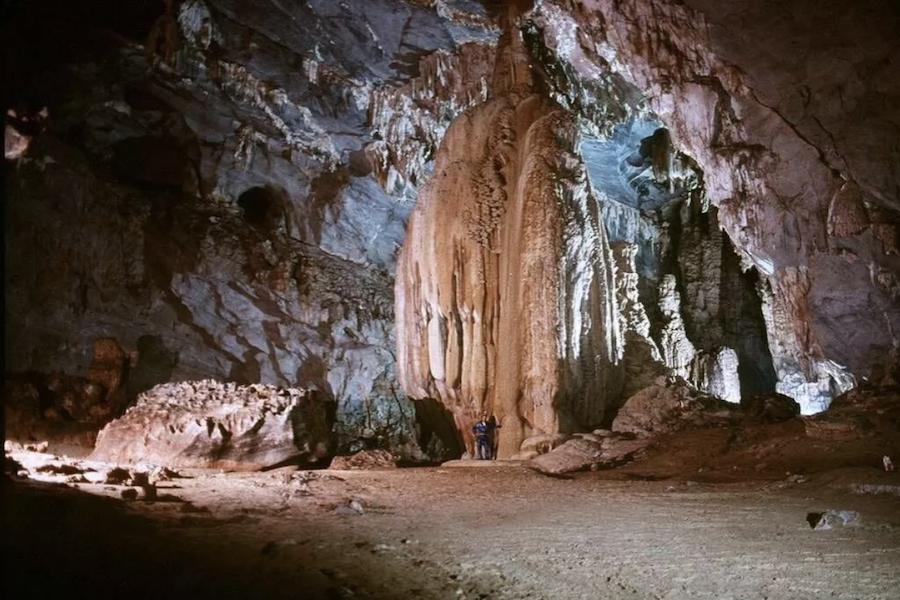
[(224, 187)]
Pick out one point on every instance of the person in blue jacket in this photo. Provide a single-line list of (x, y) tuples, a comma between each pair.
[(483, 430)]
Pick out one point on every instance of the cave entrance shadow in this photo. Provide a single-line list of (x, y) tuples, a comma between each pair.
[(438, 435)]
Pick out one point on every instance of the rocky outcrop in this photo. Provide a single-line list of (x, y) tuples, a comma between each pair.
[(778, 151), (616, 191), (505, 288), (669, 405), (206, 424)]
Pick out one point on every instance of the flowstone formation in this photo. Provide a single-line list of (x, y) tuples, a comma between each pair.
[(505, 283), (563, 257)]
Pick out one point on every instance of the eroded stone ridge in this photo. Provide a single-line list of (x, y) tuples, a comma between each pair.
[(207, 424)]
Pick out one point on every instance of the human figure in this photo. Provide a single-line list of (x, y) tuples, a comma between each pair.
[(482, 431), (492, 432)]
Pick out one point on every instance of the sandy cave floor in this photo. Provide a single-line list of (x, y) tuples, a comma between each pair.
[(464, 530)]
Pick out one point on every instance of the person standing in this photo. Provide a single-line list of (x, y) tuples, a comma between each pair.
[(492, 435), (482, 432)]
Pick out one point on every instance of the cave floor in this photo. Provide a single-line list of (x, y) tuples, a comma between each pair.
[(497, 531)]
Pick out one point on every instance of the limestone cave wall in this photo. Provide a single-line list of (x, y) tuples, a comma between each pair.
[(789, 110), (221, 189), (426, 210)]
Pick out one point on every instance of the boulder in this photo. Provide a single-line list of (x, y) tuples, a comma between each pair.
[(670, 405), (831, 519), (771, 408), (587, 451), (576, 454), (206, 424)]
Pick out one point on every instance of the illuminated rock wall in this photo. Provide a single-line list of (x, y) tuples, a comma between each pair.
[(505, 288)]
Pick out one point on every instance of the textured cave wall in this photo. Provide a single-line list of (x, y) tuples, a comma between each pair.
[(209, 189), (645, 187), (790, 111), (728, 261), (684, 300), (505, 291)]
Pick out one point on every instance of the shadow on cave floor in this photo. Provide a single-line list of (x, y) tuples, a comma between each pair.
[(63, 542), (501, 533)]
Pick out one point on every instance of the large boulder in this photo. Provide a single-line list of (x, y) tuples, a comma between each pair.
[(588, 451), (206, 424), (574, 455), (670, 405)]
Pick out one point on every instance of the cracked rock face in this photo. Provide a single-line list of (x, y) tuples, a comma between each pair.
[(205, 424), (222, 189), (776, 105), (588, 195)]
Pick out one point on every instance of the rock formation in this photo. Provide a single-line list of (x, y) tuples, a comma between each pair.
[(205, 190), (604, 192), (205, 424), (505, 283), (777, 134)]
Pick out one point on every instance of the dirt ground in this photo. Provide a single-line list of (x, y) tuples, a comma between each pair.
[(465, 530), (720, 511)]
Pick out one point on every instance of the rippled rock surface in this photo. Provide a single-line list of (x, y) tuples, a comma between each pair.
[(206, 424)]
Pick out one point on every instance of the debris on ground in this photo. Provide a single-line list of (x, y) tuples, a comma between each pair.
[(823, 521)]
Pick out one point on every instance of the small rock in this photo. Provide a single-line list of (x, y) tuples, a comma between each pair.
[(117, 476), (130, 494), (822, 521), (37, 447), (345, 510), (163, 474)]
